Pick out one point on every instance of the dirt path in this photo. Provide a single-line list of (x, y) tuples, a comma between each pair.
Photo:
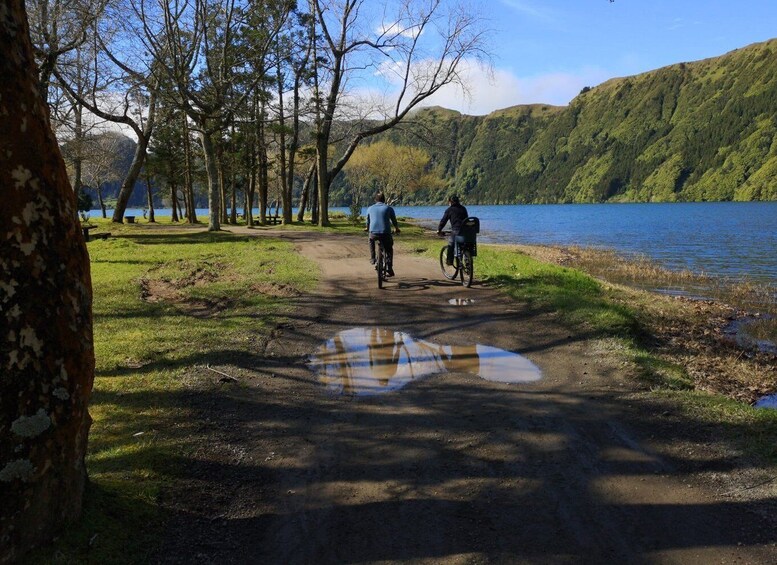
[(572, 468)]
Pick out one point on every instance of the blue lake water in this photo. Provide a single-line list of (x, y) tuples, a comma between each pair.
[(729, 239)]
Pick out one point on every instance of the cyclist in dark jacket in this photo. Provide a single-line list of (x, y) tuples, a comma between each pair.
[(380, 218), (456, 214)]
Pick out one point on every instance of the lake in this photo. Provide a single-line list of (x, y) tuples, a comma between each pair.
[(728, 239)]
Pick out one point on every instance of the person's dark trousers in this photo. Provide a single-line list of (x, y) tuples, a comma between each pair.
[(388, 246), (449, 256)]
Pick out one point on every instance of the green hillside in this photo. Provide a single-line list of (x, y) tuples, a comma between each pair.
[(689, 132)]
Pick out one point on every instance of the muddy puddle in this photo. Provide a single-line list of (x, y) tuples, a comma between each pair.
[(369, 361)]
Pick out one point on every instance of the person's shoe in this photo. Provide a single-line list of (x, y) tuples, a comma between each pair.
[(390, 272), (372, 260)]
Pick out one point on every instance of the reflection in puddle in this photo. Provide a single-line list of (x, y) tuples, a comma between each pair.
[(769, 401), (461, 301), (367, 361)]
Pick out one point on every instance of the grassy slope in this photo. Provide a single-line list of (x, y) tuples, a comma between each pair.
[(700, 131)]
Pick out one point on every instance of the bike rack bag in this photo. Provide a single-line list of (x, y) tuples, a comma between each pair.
[(468, 233)]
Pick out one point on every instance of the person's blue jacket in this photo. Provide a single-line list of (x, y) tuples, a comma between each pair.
[(380, 217)]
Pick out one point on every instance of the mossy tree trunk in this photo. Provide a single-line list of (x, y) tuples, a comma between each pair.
[(46, 353)]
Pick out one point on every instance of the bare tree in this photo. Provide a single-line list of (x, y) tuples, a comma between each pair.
[(418, 49), (122, 88), (46, 353), (101, 163), (58, 27)]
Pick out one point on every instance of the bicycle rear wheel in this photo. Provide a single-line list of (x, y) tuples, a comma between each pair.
[(380, 266), (467, 269), (448, 271)]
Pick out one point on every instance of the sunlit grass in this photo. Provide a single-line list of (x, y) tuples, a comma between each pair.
[(141, 425)]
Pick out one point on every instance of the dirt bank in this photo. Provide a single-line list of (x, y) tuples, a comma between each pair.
[(579, 466)]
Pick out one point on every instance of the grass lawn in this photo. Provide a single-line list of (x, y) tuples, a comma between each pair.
[(164, 303)]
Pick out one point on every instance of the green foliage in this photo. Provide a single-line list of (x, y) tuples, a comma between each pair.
[(355, 216)]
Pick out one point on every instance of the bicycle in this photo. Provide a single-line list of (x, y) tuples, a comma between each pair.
[(381, 266), (464, 251)]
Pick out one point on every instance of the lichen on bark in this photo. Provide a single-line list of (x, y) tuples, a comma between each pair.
[(46, 352)]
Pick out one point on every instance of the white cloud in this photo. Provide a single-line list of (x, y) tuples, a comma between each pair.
[(396, 29), (502, 88)]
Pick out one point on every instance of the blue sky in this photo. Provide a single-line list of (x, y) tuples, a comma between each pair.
[(548, 50)]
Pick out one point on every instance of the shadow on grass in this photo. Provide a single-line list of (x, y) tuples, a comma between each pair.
[(209, 237), (116, 526)]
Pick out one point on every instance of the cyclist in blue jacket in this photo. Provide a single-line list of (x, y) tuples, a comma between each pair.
[(380, 218)]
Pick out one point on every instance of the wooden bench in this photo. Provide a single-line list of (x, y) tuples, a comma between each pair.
[(129, 219)]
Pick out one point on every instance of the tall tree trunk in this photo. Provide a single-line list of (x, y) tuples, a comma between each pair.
[(214, 190), (150, 199), (101, 200), (284, 179), (305, 192), (251, 161), (314, 198), (321, 139), (262, 164), (222, 183), (174, 201), (263, 176), (191, 212), (323, 185), (128, 185), (47, 353), (233, 194), (250, 197)]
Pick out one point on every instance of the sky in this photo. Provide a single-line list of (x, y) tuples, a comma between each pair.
[(546, 51)]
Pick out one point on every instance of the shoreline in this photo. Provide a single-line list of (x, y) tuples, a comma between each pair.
[(691, 332)]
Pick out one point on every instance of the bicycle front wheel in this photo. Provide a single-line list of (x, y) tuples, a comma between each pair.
[(448, 271), (467, 268)]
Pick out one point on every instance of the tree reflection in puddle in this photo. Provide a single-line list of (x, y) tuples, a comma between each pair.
[(368, 361)]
